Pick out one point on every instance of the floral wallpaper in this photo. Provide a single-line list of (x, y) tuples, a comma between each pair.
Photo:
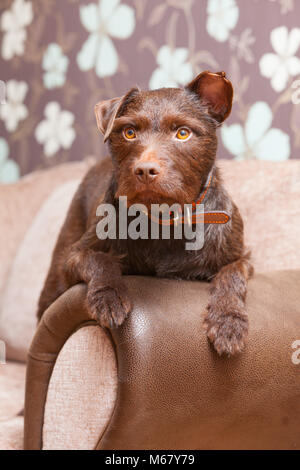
[(58, 58)]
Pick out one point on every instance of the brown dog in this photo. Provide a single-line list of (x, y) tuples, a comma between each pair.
[(163, 147)]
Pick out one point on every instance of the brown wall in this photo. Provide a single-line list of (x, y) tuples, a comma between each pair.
[(257, 42)]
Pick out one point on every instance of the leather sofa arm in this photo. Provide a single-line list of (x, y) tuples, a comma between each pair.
[(174, 391)]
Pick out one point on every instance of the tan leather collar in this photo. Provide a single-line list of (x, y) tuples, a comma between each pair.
[(195, 216)]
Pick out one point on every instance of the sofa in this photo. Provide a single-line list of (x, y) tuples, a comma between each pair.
[(76, 389)]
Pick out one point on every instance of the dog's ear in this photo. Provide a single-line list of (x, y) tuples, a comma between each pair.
[(215, 90), (107, 111)]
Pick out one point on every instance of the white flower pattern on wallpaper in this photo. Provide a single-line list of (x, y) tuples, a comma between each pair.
[(173, 68), (9, 170), (56, 131), (14, 110), (108, 18), (284, 64), (55, 65), (257, 139), (49, 45), (13, 24), (222, 17)]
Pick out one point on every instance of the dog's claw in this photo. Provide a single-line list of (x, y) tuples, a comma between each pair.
[(227, 332), (109, 306)]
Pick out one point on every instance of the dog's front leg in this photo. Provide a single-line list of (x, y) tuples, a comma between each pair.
[(226, 321), (107, 297)]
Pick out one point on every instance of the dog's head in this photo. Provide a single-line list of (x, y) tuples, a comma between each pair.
[(163, 142)]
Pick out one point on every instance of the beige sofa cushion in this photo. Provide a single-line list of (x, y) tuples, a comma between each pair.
[(268, 196), (11, 434), (82, 391), (12, 382), (32, 212)]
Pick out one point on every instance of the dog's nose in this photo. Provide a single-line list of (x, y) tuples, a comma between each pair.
[(147, 171)]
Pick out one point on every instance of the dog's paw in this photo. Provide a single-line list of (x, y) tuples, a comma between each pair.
[(109, 306), (227, 331)]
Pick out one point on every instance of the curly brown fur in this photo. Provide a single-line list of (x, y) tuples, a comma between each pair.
[(183, 168)]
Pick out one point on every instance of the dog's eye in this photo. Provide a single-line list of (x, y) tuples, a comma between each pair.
[(182, 133), (129, 133)]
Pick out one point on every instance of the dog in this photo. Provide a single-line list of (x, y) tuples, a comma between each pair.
[(163, 148)]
